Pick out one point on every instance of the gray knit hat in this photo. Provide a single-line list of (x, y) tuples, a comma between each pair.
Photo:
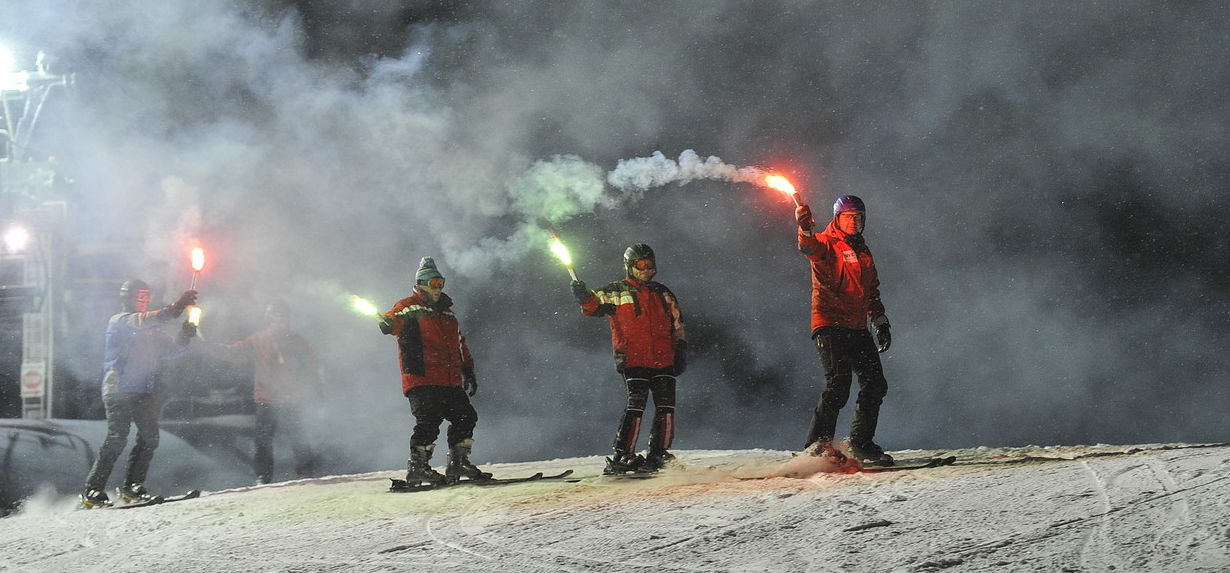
[(427, 271)]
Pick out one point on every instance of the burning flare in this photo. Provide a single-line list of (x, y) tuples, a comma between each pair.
[(194, 315), (780, 183), (198, 259), (363, 306), (561, 252)]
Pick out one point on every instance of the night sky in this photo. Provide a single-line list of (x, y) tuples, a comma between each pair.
[(1046, 186)]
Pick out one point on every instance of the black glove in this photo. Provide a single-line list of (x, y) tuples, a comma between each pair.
[(883, 337), (802, 215), (186, 332), (185, 300), (385, 322), (681, 357), (580, 292), (469, 382)]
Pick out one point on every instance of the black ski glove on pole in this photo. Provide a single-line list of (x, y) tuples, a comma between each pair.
[(883, 337), (469, 382), (802, 215), (186, 333), (580, 291), (185, 300)]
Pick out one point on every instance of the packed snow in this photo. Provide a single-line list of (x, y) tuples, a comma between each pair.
[(1095, 508)]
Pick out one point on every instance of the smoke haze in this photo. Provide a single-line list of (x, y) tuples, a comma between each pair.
[(1045, 185)]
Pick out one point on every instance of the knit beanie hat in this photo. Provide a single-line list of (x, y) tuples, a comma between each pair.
[(427, 271)]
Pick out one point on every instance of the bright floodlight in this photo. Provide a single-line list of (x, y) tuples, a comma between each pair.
[(16, 239)]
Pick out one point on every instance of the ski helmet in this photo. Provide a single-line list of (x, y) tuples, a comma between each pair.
[(635, 253), (129, 291), (847, 203)]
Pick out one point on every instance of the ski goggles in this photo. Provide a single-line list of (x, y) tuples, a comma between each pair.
[(436, 282), (643, 264)]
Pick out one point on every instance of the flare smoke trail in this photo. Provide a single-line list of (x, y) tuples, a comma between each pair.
[(563, 187)]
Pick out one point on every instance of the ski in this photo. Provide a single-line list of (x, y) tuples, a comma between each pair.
[(402, 486), (159, 500), (931, 463)]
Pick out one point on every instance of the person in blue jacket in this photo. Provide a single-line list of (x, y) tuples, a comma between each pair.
[(135, 345)]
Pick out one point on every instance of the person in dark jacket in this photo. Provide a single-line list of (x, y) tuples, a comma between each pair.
[(845, 300), (135, 345), (437, 376), (286, 374), (650, 352)]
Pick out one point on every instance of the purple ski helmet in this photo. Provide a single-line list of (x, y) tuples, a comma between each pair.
[(847, 203)]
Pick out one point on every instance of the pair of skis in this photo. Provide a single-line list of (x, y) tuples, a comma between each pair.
[(403, 486)]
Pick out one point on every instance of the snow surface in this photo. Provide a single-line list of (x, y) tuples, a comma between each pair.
[(1089, 508)]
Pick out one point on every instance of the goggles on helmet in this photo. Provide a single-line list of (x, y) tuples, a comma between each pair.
[(643, 264)]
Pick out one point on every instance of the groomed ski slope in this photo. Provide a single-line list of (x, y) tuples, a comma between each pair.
[(1161, 508)]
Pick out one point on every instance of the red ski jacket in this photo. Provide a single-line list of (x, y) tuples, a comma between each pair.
[(845, 288), (286, 366), (431, 349), (645, 322)]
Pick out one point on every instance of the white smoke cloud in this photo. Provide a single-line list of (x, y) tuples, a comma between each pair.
[(643, 173), (556, 190)]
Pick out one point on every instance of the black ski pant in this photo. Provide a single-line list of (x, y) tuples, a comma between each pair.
[(123, 410), (844, 353), (641, 382), (270, 419), (432, 405)]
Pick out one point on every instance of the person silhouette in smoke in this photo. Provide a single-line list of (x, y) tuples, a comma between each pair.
[(650, 352), (286, 373), (437, 376), (845, 299), (134, 347)]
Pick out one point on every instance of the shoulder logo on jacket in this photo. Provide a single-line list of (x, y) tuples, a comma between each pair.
[(849, 256)]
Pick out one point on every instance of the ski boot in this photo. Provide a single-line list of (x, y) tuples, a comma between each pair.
[(824, 449), (135, 493), (870, 454), (459, 465), (622, 463), (92, 498), (656, 460), (418, 467)]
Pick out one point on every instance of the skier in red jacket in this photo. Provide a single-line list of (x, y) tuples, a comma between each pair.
[(845, 298), (437, 376), (650, 351), (286, 376)]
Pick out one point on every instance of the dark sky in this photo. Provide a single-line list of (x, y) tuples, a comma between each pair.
[(1046, 186)]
